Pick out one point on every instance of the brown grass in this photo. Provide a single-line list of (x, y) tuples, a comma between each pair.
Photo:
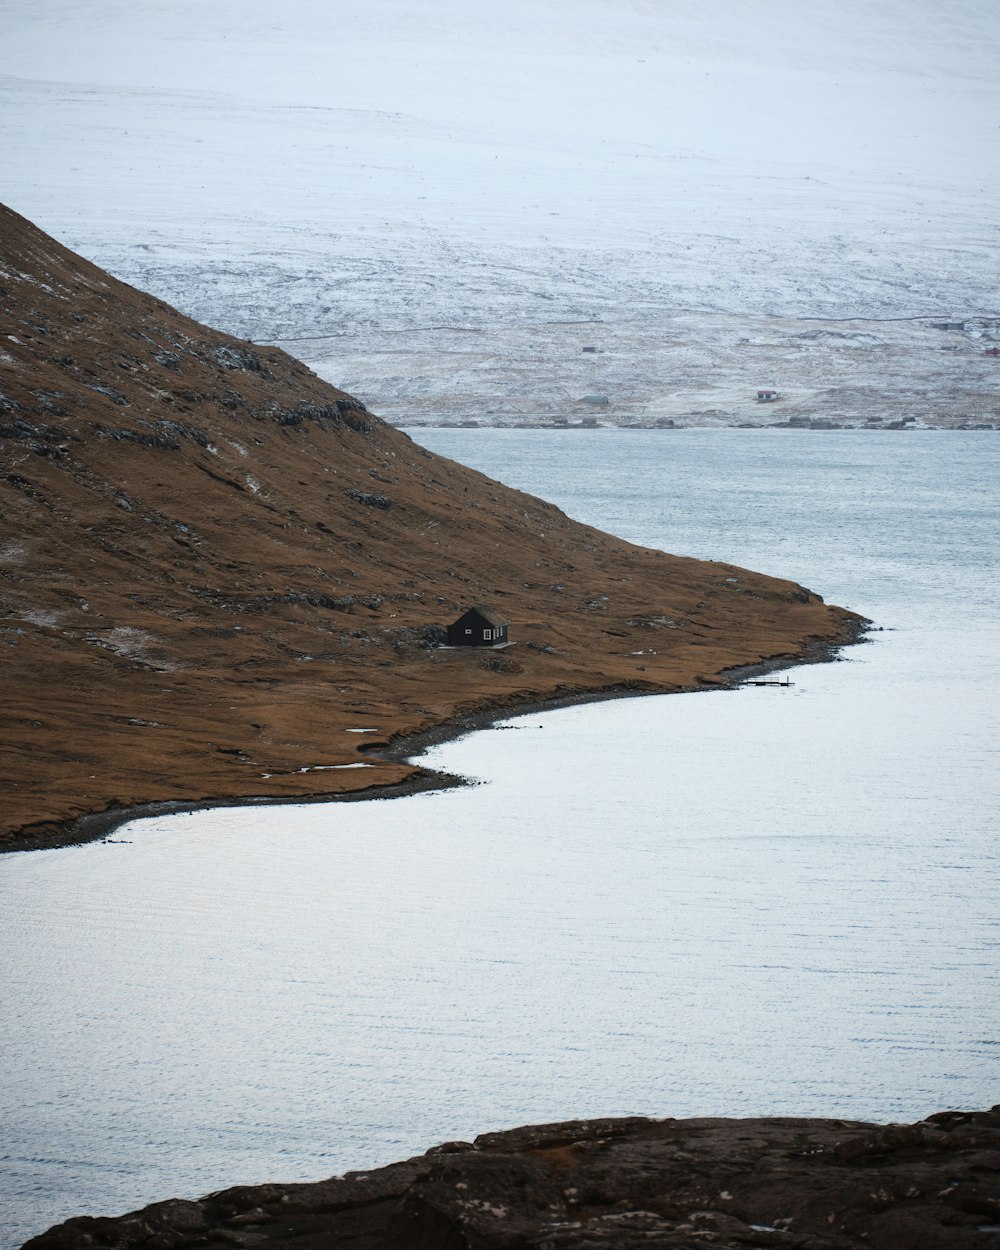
[(215, 566)]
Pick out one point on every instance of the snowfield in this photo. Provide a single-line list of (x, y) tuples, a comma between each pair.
[(440, 206)]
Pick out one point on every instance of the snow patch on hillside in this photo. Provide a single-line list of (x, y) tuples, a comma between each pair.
[(337, 175)]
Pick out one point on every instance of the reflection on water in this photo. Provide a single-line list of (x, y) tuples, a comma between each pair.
[(762, 902)]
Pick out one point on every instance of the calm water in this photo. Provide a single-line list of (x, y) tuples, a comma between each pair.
[(760, 902)]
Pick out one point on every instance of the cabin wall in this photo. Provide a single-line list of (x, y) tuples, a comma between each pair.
[(472, 630)]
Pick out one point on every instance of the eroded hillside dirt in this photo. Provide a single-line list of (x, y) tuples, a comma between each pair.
[(624, 1184), (215, 567)]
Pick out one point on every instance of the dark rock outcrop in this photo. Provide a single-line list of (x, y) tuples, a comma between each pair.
[(625, 1184)]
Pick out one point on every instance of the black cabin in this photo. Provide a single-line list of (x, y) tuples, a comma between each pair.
[(479, 627)]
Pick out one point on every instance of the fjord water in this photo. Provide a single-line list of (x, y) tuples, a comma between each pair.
[(768, 901)]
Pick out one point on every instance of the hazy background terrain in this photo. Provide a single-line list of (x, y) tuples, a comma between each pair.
[(440, 205)]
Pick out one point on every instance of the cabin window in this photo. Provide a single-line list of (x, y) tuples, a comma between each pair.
[(487, 635), (468, 631)]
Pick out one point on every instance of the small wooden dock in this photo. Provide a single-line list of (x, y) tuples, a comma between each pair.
[(769, 681)]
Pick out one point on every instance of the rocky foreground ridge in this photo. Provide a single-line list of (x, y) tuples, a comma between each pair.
[(784, 1184), (215, 567)]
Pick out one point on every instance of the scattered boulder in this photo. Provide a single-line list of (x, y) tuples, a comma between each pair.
[(370, 500)]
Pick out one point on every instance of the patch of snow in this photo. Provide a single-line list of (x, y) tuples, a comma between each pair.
[(38, 616), (323, 768), (128, 642), (14, 553)]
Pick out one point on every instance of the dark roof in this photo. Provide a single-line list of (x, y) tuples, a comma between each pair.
[(489, 615)]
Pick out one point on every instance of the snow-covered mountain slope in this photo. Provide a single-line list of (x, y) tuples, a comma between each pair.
[(344, 176)]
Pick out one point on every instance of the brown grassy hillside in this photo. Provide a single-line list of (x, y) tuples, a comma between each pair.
[(213, 565)]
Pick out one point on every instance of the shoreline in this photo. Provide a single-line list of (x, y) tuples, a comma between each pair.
[(615, 1182), (406, 748)]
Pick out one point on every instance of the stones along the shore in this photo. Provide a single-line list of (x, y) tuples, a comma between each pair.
[(625, 1184)]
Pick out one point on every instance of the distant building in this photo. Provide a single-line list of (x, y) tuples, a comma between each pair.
[(766, 396), (479, 627)]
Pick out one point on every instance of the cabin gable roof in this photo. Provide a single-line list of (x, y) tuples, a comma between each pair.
[(489, 615)]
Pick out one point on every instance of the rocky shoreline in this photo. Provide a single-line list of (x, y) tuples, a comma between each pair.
[(617, 1184)]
